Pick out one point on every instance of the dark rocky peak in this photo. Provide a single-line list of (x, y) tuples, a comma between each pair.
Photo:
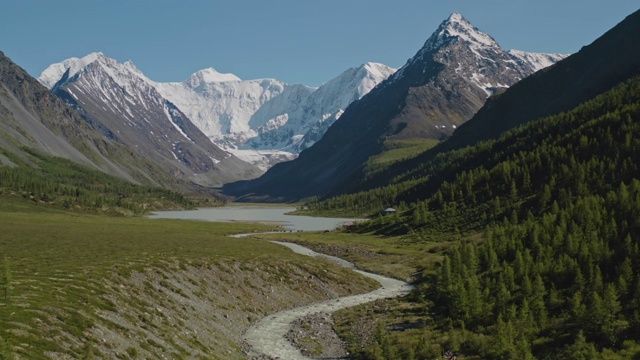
[(466, 52)]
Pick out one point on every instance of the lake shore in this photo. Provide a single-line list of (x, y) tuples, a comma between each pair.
[(276, 215)]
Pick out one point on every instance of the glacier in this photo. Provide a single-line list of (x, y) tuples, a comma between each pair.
[(261, 121)]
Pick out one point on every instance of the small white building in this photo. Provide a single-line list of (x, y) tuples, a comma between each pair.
[(389, 211)]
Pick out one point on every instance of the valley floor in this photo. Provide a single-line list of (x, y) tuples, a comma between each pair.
[(269, 336), (86, 286)]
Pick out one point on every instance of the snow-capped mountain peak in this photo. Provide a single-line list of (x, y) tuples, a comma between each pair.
[(52, 74), (471, 54), (121, 102), (456, 32), (456, 17), (457, 28), (131, 66), (254, 118), (209, 76), (374, 67), (60, 73), (371, 74)]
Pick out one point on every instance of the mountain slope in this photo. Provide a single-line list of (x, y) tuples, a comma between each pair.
[(220, 104), (114, 99), (545, 236), (33, 118), (247, 117), (262, 121), (612, 57), (312, 117), (227, 109), (438, 89), (596, 68)]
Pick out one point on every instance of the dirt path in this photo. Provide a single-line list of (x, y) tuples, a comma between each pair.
[(267, 337)]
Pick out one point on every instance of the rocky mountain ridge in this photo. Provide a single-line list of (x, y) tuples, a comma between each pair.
[(114, 99), (34, 121), (263, 121), (436, 91)]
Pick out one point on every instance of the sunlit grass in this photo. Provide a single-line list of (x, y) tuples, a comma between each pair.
[(57, 263), (396, 150), (398, 257)]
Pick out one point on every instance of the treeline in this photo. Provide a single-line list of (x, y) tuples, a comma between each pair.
[(556, 271), (62, 183), (361, 203)]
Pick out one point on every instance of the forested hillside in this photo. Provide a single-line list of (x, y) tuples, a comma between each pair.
[(554, 273), (60, 183), (587, 149)]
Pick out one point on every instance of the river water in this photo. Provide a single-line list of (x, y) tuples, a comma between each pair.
[(267, 336), (275, 215)]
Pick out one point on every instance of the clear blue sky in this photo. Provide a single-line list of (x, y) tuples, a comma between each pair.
[(297, 41)]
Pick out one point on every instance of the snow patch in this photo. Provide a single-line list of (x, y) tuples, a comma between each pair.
[(537, 61), (263, 159), (166, 112), (210, 75)]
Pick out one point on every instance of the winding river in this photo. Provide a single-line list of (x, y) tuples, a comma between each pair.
[(267, 337)]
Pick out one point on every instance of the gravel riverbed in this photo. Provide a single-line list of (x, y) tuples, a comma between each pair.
[(282, 335)]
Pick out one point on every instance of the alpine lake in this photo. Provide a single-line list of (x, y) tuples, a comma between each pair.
[(276, 215)]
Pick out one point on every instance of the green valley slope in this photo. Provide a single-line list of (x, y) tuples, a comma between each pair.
[(76, 285), (546, 219)]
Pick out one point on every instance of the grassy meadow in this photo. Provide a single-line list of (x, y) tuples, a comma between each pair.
[(399, 257), (61, 270), (397, 150)]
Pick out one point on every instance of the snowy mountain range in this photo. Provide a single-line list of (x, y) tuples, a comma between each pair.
[(117, 100), (262, 121), (266, 121), (437, 90)]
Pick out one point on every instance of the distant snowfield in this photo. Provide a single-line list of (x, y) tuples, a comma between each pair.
[(263, 159), (267, 336)]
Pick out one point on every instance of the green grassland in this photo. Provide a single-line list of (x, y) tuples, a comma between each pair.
[(377, 330), (83, 275), (397, 150), (399, 257), (70, 279)]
